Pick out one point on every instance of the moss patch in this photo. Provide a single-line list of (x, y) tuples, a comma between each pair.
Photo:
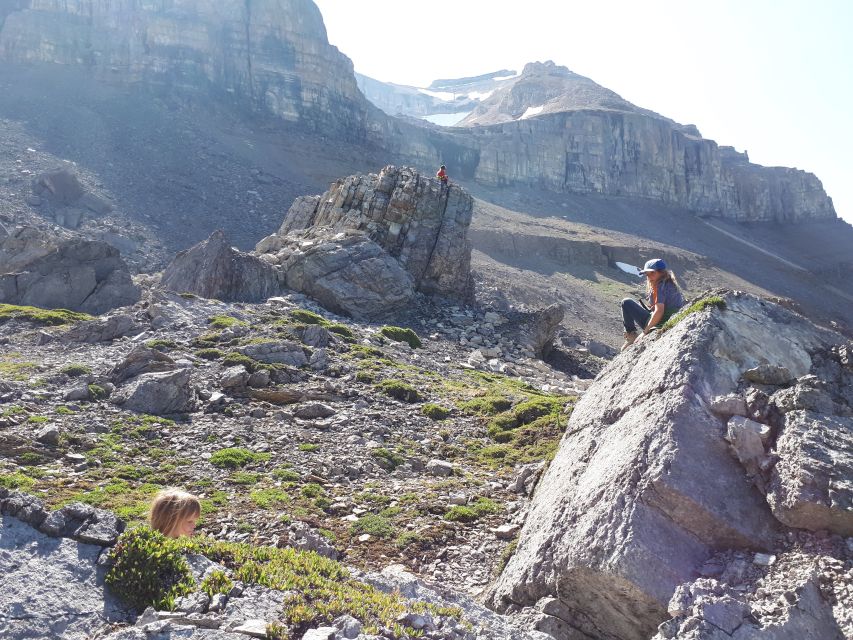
[(399, 390), (700, 305), (399, 334), (234, 457), (52, 317)]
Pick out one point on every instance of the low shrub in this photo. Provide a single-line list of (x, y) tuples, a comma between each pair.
[(307, 317), (267, 498), (97, 392), (234, 457), (390, 458), (223, 322), (486, 405), (217, 582), (341, 330), (435, 411), (399, 390), (148, 569), (162, 345), (399, 334), (210, 354), (75, 370), (377, 526)]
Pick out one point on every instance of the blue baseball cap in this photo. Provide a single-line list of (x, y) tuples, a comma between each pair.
[(655, 264)]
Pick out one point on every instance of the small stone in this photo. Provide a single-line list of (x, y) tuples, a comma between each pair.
[(313, 410), (506, 531), (255, 628), (769, 374), (75, 458), (48, 435), (321, 633), (764, 559), (365, 537), (440, 468)]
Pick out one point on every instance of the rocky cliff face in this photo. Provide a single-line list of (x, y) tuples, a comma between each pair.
[(622, 153), (547, 128), (271, 55)]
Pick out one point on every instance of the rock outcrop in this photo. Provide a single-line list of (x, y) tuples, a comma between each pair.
[(76, 274), (371, 241), (213, 269), (53, 584), (70, 201), (646, 487), (273, 56)]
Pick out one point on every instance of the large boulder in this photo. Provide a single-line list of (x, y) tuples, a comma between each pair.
[(76, 274), (645, 487), (159, 394), (351, 275), (398, 216), (53, 587), (213, 269)]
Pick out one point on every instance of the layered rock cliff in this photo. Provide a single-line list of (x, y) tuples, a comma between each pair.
[(271, 55), (548, 128)]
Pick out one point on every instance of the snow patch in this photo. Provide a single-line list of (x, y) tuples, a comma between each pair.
[(441, 95), (629, 268), (480, 95), (500, 78), (446, 119), (532, 111)]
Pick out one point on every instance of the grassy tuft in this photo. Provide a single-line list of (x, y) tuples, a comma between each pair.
[(52, 317), (700, 305), (435, 411), (75, 370), (399, 390), (223, 322), (399, 334), (375, 525), (235, 457)]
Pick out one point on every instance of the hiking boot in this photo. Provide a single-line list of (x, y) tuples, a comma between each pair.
[(630, 337)]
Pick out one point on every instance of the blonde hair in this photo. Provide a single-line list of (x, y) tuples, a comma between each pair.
[(170, 508), (668, 276)]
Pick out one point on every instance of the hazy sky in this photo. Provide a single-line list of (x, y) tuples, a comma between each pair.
[(772, 77)]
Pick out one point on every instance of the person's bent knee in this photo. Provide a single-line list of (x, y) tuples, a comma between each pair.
[(626, 302)]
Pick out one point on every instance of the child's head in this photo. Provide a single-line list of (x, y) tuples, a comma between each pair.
[(174, 513)]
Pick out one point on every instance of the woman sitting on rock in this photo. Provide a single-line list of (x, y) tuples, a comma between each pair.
[(174, 513), (664, 300)]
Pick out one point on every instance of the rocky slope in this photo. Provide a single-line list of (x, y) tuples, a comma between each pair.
[(729, 432)]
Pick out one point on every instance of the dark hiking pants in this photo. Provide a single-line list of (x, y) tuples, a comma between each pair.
[(635, 317)]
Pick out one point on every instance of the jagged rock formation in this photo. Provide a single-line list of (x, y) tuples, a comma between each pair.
[(645, 487), (213, 269), (71, 202), (68, 273), (367, 244), (544, 87), (269, 54)]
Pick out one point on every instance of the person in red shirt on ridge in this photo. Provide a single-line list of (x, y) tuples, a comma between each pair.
[(442, 175)]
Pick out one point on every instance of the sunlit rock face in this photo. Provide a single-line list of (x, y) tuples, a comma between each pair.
[(272, 54)]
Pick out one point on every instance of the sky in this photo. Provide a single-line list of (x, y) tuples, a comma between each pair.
[(772, 77)]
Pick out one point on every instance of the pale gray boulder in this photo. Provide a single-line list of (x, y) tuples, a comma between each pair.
[(812, 484), (158, 394), (54, 587), (280, 352), (81, 275), (644, 485), (101, 329)]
